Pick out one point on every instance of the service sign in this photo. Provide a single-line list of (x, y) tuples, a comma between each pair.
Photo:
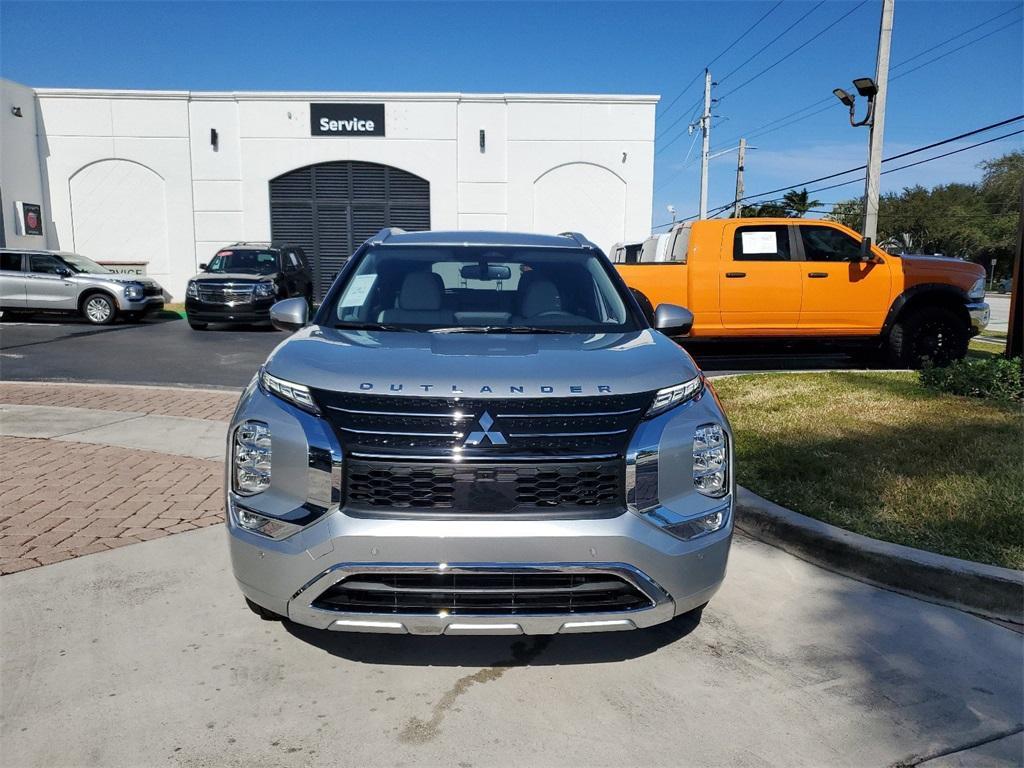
[(346, 119)]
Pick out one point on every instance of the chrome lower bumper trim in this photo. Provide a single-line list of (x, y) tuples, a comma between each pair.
[(301, 609), (980, 314)]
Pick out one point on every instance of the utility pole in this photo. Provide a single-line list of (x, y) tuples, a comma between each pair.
[(705, 127), (739, 178), (871, 185)]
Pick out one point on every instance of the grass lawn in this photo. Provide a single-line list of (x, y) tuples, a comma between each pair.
[(878, 454)]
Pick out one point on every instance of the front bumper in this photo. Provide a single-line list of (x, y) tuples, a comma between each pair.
[(146, 305), (288, 576), (257, 311), (980, 313)]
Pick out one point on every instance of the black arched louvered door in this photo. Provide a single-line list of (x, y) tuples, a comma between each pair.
[(330, 209)]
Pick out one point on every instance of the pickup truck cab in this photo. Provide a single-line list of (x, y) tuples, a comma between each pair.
[(798, 278), (479, 433)]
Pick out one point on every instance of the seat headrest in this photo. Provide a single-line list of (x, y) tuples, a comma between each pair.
[(421, 291), (541, 296)]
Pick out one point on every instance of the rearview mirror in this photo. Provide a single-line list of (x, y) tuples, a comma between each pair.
[(673, 320), (289, 315), (486, 272)]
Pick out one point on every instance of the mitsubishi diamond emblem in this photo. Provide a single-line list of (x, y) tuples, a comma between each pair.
[(485, 422)]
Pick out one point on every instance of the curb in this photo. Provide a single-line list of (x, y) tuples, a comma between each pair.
[(211, 389), (987, 590)]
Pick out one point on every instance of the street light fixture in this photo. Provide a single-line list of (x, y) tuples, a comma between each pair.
[(865, 87)]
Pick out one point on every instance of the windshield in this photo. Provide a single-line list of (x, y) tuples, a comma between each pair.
[(82, 265), (480, 290), (247, 261)]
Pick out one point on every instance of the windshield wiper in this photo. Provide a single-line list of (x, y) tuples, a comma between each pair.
[(374, 327), (496, 329)]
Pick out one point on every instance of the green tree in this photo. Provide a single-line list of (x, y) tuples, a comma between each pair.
[(769, 210), (797, 204)]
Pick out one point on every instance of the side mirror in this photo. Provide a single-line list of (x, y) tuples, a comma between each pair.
[(865, 249), (673, 320), (63, 271), (202, 267), (289, 315)]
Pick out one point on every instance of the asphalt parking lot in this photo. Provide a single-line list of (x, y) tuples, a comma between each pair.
[(168, 352)]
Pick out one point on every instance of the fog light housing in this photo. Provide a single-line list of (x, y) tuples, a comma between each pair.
[(262, 525), (251, 458), (711, 461), (699, 526)]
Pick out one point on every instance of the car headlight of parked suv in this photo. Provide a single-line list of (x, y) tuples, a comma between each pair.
[(264, 290), (192, 290), (134, 291), (251, 458), (670, 397), (296, 394), (977, 290)]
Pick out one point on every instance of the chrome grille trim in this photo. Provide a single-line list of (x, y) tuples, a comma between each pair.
[(400, 434), (457, 416), (593, 414), (569, 434), (508, 457)]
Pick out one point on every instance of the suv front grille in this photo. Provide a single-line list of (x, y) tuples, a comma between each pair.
[(553, 428), (152, 290), (484, 489), (225, 294), (483, 594)]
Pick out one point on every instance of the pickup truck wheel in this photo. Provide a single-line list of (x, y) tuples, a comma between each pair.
[(932, 335), (99, 309), (197, 326), (264, 613)]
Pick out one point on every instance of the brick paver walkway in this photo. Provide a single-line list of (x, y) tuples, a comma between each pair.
[(60, 500), (164, 401)]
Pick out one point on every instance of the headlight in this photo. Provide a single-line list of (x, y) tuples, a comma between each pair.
[(192, 291), (134, 291), (251, 458), (270, 527), (977, 290), (263, 290), (710, 461), (670, 397), (297, 394)]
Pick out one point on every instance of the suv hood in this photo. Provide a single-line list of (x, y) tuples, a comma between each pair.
[(234, 277), (480, 365), (115, 278)]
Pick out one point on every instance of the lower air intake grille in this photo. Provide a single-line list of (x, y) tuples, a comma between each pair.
[(483, 594), (483, 489)]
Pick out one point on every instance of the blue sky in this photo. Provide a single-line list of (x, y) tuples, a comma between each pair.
[(623, 47)]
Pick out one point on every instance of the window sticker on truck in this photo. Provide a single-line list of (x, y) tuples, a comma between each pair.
[(759, 242)]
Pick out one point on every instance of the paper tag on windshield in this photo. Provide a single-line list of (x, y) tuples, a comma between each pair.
[(357, 291), (759, 242)]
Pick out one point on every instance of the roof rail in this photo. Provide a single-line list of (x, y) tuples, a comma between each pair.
[(251, 242), (580, 239), (385, 233)]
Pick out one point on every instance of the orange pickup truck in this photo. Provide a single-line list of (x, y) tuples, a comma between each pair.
[(808, 279)]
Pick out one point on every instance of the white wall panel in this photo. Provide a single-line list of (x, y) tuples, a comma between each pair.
[(119, 213), (581, 197)]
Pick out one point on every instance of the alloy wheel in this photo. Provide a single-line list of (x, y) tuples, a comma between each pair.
[(98, 309)]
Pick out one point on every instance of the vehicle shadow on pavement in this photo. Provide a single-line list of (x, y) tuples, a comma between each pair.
[(496, 651)]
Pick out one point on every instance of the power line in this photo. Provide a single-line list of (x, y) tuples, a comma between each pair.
[(771, 42), (804, 184), (700, 100), (800, 47), (720, 55), (828, 101)]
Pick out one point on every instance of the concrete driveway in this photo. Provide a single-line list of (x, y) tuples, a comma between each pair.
[(146, 656)]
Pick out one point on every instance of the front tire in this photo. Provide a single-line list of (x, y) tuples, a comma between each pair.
[(928, 336), (99, 309)]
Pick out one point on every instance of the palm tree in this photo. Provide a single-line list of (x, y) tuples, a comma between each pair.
[(797, 204)]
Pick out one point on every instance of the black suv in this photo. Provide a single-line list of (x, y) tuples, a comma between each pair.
[(243, 281)]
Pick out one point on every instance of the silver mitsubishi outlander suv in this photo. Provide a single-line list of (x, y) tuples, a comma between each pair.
[(479, 433)]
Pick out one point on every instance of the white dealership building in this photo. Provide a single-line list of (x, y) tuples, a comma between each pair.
[(157, 181)]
